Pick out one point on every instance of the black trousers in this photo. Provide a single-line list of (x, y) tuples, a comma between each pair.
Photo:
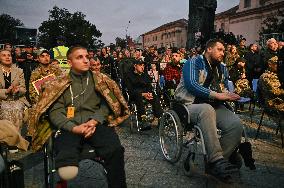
[(105, 141), (155, 102)]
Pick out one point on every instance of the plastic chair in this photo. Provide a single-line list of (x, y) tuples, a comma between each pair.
[(255, 99), (162, 82)]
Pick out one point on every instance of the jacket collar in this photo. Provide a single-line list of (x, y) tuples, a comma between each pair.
[(14, 74)]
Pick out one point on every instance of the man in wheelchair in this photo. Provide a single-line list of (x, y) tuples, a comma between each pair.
[(84, 107), (202, 89), (140, 90)]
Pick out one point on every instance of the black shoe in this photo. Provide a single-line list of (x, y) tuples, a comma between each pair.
[(222, 170), (144, 126), (236, 159)]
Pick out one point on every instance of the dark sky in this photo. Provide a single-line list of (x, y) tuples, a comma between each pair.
[(111, 17)]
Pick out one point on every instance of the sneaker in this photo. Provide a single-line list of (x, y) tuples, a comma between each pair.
[(222, 170)]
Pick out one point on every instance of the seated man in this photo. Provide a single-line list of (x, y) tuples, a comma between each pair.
[(172, 71), (139, 87), (270, 87), (172, 74), (239, 78), (202, 90), (83, 107), (95, 65), (45, 72)]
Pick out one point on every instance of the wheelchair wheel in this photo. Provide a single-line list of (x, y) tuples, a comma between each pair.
[(171, 136), (49, 164), (134, 125)]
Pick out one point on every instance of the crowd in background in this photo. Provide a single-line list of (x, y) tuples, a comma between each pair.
[(164, 66)]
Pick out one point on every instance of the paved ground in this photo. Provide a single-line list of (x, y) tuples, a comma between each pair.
[(145, 166)]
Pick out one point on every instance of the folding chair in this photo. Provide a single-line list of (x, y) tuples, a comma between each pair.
[(276, 114)]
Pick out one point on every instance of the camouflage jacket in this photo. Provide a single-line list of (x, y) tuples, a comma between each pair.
[(37, 74), (39, 127), (269, 86)]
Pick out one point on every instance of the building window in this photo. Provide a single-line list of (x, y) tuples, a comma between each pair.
[(247, 3), (173, 45), (156, 38), (261, 2), (162, 37), (222, 26), (162, 45)]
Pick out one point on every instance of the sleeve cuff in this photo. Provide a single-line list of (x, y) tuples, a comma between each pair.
[(212, 95), (99, 118), (68, 126)]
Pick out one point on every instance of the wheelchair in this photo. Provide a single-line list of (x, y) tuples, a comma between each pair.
[(174, 126), (134, 123), (51, 178), (176, 133), (4, 179)]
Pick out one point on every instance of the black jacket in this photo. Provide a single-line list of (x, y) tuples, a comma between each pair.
[(138, 83), (266, 55), (254, 65)]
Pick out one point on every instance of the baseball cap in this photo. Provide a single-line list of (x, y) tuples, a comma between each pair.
[(41, 51)]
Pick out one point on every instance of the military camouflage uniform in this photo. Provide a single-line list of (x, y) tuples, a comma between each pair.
[(39, 73), (230, 60), (273, 96), (242, 86)]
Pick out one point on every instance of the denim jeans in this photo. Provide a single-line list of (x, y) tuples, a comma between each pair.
[(209, 119)]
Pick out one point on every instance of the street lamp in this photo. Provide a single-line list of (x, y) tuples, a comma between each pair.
[(126, 33)]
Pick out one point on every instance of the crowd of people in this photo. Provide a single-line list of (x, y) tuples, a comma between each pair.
[(86, 101)]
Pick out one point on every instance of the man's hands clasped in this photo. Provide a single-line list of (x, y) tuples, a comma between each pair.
[(148, 96), (86, 129)]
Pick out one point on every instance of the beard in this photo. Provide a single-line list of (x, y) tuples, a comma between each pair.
[(215, 62)]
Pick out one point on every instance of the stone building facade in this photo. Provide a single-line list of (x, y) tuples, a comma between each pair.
[(173, 34), (246, 18)]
